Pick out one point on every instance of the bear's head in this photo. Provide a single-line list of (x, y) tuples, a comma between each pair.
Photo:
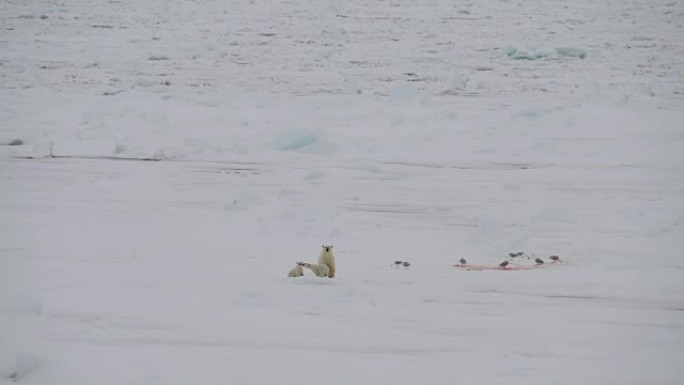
[(327, 248)]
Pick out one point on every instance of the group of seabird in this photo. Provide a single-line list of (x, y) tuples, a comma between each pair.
[(505, 263), (538, 261), (463, 261), (553, 258)]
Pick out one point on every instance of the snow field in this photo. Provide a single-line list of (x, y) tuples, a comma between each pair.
[(394, 130)]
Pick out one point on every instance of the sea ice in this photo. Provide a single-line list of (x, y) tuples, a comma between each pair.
[(571, 52), (533, 52), (554, 214), (529, 52)]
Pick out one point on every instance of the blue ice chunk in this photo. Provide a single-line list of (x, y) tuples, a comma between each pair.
[(529, 112), (297, 141), (402, 93)]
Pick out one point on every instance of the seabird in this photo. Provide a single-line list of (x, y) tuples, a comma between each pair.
[(462, 261), (539, 261), (555, 258), (406, 264), (504, 264)]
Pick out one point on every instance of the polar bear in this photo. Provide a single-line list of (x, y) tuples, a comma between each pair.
[(327, 258), (318, 270), (296, 271)]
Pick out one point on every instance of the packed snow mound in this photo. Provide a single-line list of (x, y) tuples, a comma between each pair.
[(21, 366)]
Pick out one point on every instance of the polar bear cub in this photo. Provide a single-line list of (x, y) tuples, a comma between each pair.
[(327, 258), (296, 271), (318, 270)]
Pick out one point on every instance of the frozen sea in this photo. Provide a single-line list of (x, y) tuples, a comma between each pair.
[(164, 163)]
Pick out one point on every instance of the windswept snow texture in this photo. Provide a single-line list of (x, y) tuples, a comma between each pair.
[(394, 130)]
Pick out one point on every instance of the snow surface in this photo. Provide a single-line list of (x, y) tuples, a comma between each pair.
[(394, 130)]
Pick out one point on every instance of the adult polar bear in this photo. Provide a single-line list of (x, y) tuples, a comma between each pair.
[(327, 258)]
